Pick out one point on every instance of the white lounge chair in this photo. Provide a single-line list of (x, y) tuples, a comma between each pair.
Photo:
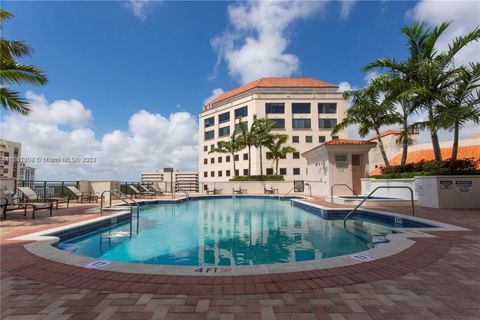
[(269, 189), (82, 195), (33, 197), (155, 192), (212, 190), (137, 193), (238, 189)]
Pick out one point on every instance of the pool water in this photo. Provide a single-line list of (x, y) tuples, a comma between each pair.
[(224, 232)]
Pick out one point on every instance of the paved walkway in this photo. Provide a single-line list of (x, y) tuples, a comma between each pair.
[(438, 278)]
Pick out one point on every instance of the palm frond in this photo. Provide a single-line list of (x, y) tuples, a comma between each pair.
[(12, 72), (12, 101), (11, 49)]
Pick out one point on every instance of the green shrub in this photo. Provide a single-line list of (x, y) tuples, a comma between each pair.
[(431, 168), (259, 178)]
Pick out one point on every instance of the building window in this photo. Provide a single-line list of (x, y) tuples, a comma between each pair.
[(269, 155), (227, 173), (225, 131), (205, 174), (224, 117), (219, 173), (269, 171), (321, 139), (241, 112), (301, 123), (245, 156), (205, 148), (219, 159), (327, 123), (227, 159), (283, 171), (238, 128), (212, 146), (295, 139), (236, 158), (334, 137), (296, 171), (296, 155), (308, 139), (205, 161), (300, 107), (275, 108), (278, 123), (209, 122), (340, 158), (237, 172), (245, 172), (209, 135), (212, 160), (212, 174), (327, 108)]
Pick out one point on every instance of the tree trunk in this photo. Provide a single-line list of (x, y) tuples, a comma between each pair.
[(234, 169), (382, 149), (261, 161), (433, 134), (404, 142), (276, 166), (249, 161), (456, 132)]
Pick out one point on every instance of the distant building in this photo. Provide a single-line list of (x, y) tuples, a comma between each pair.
[(27, 173), (305, 109), (9, 159), (186, 181)]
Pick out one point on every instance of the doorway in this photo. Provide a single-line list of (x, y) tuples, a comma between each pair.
[(357, 173)]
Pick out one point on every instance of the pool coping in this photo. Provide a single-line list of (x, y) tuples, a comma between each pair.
[(41, 244)]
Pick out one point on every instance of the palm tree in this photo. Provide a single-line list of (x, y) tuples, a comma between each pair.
[(461, 104), (277, 149), (430, 71), (231, 147), (369, 111), (247, 138), (12, 72), (261, 129)]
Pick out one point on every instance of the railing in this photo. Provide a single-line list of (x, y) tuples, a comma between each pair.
[(309, 188), (119, 197), (286, 194), (338, 185), (185, 192), (370, 194)]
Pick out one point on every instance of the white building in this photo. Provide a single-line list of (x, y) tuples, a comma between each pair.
[(163, 178), (9, 159), (27, 173), (305, 109)]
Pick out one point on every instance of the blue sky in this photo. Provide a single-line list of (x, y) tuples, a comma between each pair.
[(120, 70)]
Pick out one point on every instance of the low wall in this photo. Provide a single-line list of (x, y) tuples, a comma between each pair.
[(253, 186), (462, 192), (369, 184)]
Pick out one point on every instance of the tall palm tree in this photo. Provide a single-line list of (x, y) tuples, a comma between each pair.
[(261, 130), (370, 111), (247, 138), (461, 104), (231, 147), (431, 71), (12, 72), (277, 149)]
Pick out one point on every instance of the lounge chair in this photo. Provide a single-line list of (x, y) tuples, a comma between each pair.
[(82, 195), (155, 192), (137, 193), (269, 189), (33, 197), (237, 189), (212, 190), (7, 204)]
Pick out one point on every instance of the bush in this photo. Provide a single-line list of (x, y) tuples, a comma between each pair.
[(259, 178), (430, 168)]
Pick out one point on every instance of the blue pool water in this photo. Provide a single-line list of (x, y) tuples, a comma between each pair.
[(226, 231)]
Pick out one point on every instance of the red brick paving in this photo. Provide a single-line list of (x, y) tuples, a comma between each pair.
[(437, 278)]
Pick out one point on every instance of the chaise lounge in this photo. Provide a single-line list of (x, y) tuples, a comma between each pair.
[(81, 196), (7, 204), (137, 193), (33, 197)]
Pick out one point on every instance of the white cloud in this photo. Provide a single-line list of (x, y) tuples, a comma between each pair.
[(255, 44), (346, 7), (139, 7), (465, 17), (61, 129), (215, 93)]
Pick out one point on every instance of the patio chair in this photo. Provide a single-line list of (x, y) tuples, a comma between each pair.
[(238, 189), (212, 190), (157, 190), (145, 189), (137, 193), (7, 204), (269, 189), (33, 197), (82, 195)]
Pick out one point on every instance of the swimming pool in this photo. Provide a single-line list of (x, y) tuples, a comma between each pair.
[(230, 231)]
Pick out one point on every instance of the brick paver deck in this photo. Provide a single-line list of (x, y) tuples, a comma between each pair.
[(437, 278)]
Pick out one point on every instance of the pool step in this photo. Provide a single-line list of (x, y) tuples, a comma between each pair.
[(372, 233)]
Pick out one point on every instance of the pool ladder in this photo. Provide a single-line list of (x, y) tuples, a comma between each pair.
[(370, 194), (122, 197), (338, 185)]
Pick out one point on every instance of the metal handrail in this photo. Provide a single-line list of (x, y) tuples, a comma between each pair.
[(185, 192), (309, 188), (283, 197), (119, 197), (370, 194), (341, 184)]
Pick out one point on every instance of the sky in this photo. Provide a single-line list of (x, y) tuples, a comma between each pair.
[(127, 79)]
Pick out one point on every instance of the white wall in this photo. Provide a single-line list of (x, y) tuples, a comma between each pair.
[(369, 184)]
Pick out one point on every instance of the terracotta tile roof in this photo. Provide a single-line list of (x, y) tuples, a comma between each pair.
[(464, 152), (385, 133), (338, 142), (275, 83)]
